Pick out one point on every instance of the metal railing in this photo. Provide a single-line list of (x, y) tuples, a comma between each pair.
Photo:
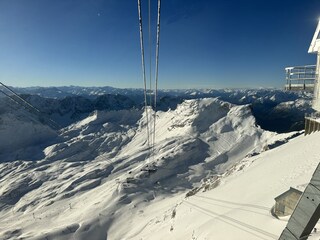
[(313, 115), (300, 77)]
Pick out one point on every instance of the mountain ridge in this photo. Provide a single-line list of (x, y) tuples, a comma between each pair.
[(274, 110), (104, 162)]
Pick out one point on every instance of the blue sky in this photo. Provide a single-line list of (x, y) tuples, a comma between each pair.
[(204, 44)]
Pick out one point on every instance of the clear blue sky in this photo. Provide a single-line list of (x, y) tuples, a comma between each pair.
[(204, 43)]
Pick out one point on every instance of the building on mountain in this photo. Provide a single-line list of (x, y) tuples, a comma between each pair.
[(300, 78), (286, 202), (312, 122), (315, 48), (306, 77)]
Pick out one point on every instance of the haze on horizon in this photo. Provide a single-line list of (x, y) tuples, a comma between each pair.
[(204, 44)]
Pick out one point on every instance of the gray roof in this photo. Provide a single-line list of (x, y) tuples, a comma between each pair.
[(287, 192)]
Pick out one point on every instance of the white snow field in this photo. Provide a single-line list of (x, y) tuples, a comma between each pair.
[(95, 179)]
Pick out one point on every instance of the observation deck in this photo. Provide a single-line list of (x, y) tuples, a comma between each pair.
[(300, 78)]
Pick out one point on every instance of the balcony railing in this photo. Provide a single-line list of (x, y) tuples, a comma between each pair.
[(300, 77)]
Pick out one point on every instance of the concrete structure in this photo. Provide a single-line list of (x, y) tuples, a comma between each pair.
[(311, 123), (315, 48), (307, 212), (286, 202)]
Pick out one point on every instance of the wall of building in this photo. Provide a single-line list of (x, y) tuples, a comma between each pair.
[(311, 125), (286, 204)]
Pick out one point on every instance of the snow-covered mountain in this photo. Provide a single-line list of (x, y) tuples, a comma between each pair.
[(213, 175), (232, 95), (274, 110)]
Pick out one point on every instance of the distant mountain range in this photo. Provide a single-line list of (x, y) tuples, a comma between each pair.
[(274, 110)]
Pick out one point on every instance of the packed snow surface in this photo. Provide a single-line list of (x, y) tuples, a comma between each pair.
[(214, 175), (239, 208)]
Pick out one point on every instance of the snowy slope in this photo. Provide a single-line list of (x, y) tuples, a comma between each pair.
[(22, 135), (239, 208), (97, 180)]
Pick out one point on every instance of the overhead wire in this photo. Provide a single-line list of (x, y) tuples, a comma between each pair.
[(27, 105), (151, 128), (150, 75), (15, 94), (143, 71), (156, 73), (11, 98), (150, 51)]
